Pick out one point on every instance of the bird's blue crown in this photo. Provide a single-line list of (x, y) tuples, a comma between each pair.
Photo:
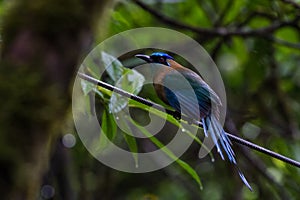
[(161, 54)]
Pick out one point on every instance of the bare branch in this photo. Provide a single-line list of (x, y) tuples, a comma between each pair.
[(234, 138), (293, 3), (220, 31), (256, 14), (285, 43)]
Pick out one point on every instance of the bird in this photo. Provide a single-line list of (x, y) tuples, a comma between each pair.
[(172, 74)]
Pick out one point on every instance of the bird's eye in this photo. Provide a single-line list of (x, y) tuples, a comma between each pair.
[(161, 60)]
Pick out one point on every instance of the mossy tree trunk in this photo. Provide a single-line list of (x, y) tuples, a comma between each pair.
[(42, 44)]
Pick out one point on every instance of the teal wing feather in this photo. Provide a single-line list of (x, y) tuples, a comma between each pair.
[(185, 86)]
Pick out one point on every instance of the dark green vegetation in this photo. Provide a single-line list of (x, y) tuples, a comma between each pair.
[(255, 44)]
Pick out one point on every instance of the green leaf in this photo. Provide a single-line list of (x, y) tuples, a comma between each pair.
[(109, 129), (191, 171), (113, 66), (132, 82), (120, 21), (169, 153), (110, 126), (172, 120), (130, 140), (87, 87)]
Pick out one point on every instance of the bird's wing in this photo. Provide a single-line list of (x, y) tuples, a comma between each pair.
[(180, 88), (180, 96), (201, 87)]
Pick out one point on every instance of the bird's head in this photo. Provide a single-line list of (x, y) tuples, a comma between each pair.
[(157, 57)]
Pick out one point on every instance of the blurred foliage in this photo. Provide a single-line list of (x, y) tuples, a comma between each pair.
[(261, 76), (262, 79)]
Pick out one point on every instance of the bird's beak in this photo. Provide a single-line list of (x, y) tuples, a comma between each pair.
[(144, 57)]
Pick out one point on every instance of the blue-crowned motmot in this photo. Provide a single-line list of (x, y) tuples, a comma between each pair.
[(205, 98)]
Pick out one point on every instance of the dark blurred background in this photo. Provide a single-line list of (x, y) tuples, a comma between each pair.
[(255, 44)]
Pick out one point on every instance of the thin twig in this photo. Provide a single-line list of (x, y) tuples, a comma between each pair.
[(292, 3), (220, 31), (177, 115), (253, 15), (226, 31), (259, 165), (261, 149), (284, 43)]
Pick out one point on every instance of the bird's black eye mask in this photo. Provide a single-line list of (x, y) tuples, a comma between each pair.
[(160, 60), (157, 57)]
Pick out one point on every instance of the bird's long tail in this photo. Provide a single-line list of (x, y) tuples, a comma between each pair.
[(211, 125)]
